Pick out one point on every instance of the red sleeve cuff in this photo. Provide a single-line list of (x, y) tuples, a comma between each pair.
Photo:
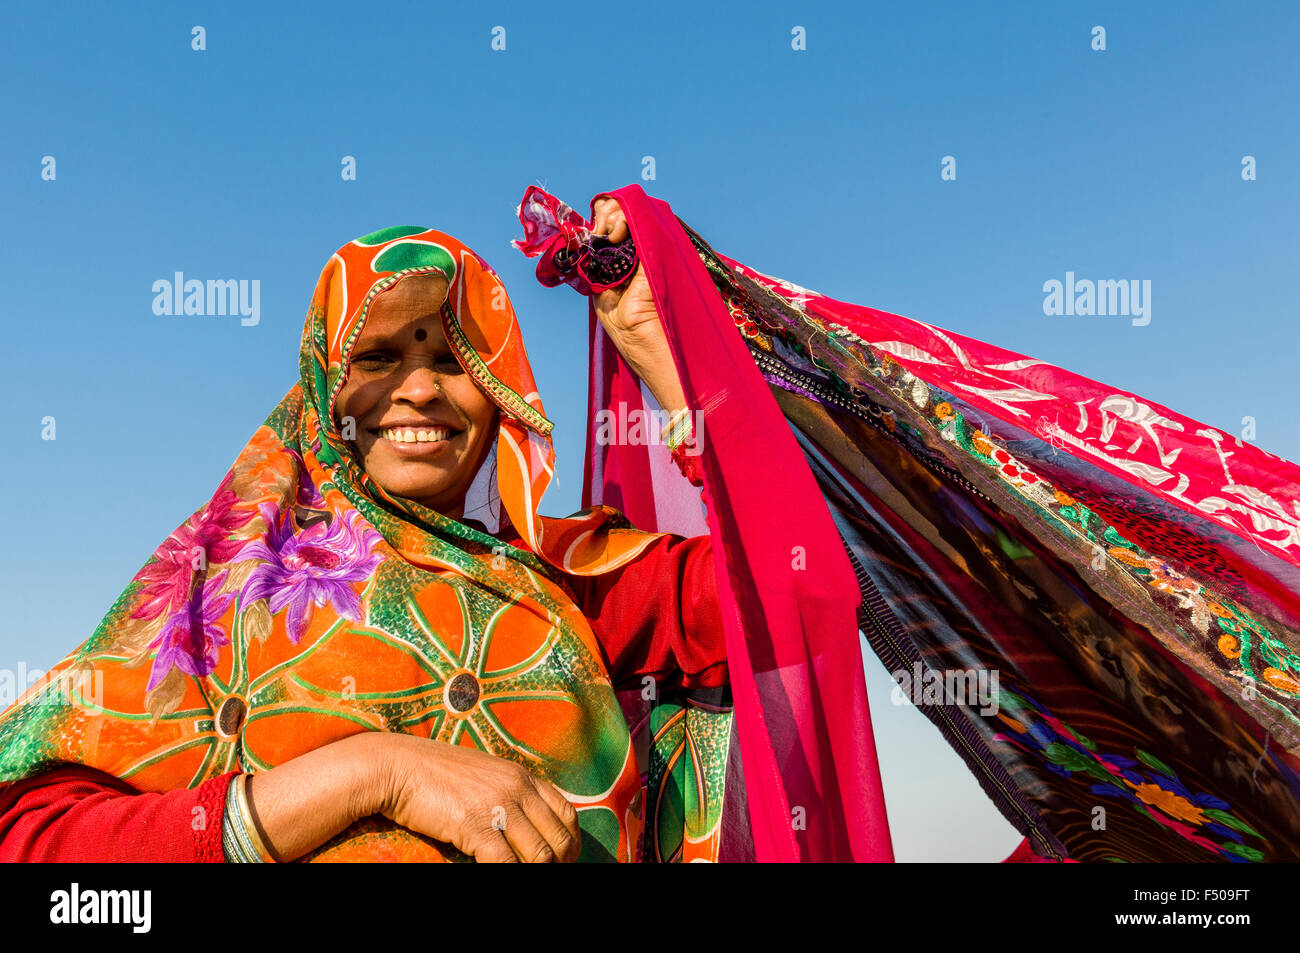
[(77, 814)]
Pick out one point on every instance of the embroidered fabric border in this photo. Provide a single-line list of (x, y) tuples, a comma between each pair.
[(506, 398)]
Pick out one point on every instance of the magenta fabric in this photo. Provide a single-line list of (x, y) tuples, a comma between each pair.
[(812, 780), (549, 226)]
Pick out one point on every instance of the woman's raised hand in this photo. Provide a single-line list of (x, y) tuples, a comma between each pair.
[(627, 311), (631, 320), (487, 807)]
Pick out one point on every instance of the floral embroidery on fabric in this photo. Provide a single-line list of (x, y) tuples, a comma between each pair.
[(747, 320), (1217, 618), (1247, 650), (166, 583), (1146, 783), (191, 639)]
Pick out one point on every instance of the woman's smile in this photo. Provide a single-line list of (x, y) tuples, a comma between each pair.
[(417, 441)]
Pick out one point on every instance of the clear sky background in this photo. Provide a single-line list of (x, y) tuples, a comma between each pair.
[(821, 166)]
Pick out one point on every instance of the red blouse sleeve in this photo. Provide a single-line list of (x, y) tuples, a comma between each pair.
[(658, 615), (77, 814)]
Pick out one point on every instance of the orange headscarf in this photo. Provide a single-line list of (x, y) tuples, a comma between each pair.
[(483, 332)]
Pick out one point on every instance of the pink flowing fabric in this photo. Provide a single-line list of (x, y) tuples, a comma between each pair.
[(787, 591), (1132, 574)]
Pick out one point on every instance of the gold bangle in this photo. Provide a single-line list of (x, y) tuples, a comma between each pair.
[(672, 422), (677, 428), (250, 826)]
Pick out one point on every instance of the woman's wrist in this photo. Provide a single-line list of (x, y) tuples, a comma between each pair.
[(378, 777), (301, 804), (371, 766), (678, 429), (646, 352), (241, 838)]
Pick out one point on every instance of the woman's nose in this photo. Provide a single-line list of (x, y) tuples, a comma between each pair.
[(418, 386)]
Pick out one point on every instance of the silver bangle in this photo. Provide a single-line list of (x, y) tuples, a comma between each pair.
[(235, 842)]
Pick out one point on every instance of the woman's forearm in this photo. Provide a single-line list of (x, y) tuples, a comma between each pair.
[(647, 353), (485, 806), (304, 802)]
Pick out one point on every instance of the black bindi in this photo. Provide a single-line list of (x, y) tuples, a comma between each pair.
[(421, 334)]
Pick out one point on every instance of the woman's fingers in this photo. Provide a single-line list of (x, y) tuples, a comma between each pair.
[(600, 221), (559, 805), (492, 847), (490, 808), (609, 220), (508, 834), (556, 820), (527, 841), (521, 825)]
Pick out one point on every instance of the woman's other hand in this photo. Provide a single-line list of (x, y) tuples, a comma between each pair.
[(631, 320), (487, 807), (449, 793)]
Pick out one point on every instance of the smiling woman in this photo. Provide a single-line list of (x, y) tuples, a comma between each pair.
[(341, 663)]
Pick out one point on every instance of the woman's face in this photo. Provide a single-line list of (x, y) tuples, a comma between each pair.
[(422, 424)]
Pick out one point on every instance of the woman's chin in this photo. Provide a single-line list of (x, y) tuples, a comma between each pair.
[(419, 492), (425, 478), (430, 492)]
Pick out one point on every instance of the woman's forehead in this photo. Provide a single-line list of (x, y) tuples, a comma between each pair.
[(412, 303), (413, 292)]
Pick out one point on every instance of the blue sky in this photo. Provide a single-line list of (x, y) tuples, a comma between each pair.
[(821, 166)]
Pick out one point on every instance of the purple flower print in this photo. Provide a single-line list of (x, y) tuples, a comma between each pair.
[(166, 582), (308, 494), (316, 567), (190, 638)]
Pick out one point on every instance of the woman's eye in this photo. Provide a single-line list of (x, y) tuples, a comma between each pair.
[(381, 358)]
